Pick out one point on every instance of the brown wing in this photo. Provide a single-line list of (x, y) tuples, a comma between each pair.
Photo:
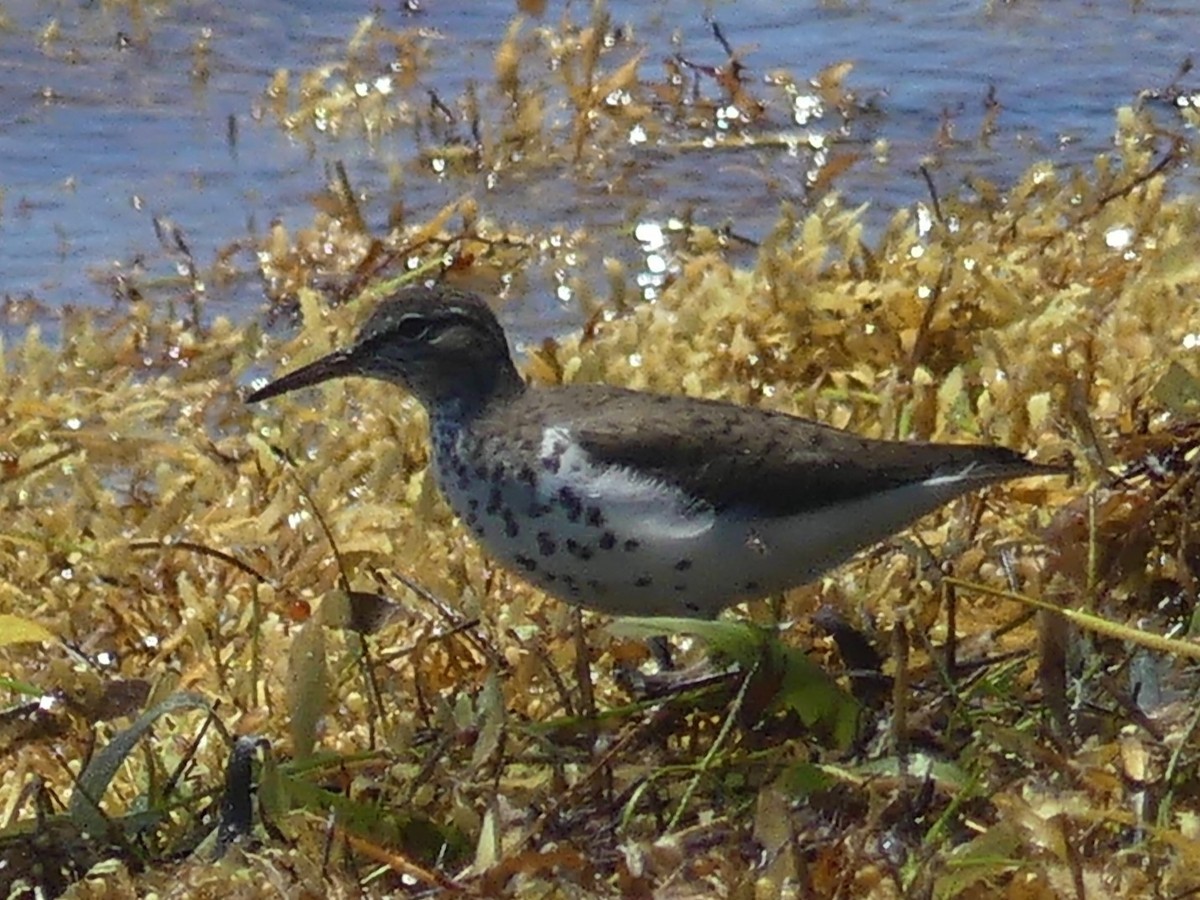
[(770, 463)]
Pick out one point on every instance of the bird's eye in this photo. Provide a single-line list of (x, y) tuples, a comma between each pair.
[(412, 328)]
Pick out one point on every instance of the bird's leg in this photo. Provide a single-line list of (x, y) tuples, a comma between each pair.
[(660, 649), (583, 666)]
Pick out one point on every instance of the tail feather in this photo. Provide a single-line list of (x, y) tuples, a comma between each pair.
[(984, 465)]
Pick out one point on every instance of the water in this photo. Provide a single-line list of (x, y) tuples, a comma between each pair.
[(108, 120)]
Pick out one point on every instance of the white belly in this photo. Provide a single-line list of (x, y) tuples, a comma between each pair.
[(625, 545)]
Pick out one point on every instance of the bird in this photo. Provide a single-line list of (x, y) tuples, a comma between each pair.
[(633, 503)]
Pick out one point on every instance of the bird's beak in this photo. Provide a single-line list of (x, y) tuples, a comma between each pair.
[(335, 365)]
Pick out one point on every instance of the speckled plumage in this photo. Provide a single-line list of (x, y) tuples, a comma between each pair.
[(638, 503)]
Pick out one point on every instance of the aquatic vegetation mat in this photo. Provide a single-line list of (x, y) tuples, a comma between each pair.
[(250, 650)]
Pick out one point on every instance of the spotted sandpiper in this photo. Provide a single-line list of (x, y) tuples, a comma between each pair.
[(635, 503)]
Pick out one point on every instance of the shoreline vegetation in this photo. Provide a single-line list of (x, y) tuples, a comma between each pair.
[(249, 650)]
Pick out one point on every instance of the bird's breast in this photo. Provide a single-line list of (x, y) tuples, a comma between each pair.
[(602, 537), (628, 543)]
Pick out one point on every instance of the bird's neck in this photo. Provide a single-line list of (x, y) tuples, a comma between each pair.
[(476, 393)]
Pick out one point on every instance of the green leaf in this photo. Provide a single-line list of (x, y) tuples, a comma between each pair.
[(308, 686), (791, 680), (1178, 389), (986, 860), (381, 823), (803, 779), (740, 642), (84, 809), (808, 690)]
